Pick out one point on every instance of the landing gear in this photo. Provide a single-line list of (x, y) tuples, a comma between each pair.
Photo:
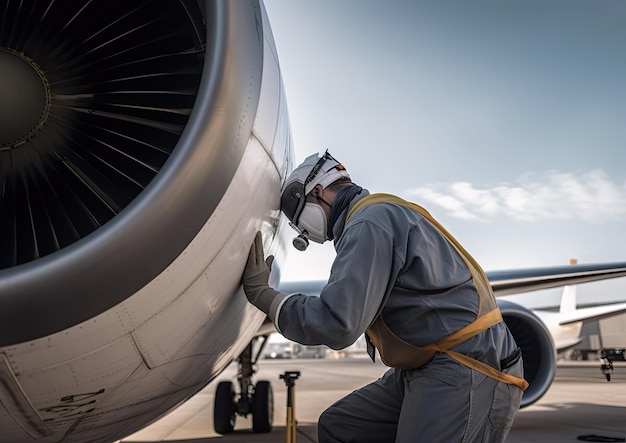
[(257, 400), (262, 407), (224, 413), (608, 356), (607, 368)]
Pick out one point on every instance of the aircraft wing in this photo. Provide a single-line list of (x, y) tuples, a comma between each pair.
[(586, 315), (513, 281), (525, 280)]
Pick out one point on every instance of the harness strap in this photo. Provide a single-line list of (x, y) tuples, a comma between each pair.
[(487, 370), (480, 324), (462, 335)]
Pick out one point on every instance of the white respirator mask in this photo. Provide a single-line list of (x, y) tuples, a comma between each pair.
[(313, 221)]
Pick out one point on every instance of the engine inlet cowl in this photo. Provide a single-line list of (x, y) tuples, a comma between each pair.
[(151, 107)]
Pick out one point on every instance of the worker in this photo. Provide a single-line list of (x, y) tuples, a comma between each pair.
[(425, 305)]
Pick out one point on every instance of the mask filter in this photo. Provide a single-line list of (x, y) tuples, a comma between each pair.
[(311, 225), (301, 242)]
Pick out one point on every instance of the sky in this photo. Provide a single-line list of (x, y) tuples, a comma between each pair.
[(506, 120)]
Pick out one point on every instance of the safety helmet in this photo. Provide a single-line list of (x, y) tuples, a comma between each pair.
[(311, 172)]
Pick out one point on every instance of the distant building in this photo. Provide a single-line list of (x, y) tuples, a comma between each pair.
[(602, 334)]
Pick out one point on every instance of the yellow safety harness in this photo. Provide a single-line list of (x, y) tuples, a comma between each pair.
[(398, 353)]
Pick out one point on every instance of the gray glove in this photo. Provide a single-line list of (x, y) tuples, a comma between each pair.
[(256, 277)]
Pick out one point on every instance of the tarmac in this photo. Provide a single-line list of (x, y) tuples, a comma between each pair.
[(579, 406)]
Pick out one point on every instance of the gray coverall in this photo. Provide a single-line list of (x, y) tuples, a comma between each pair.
[(390, 257)]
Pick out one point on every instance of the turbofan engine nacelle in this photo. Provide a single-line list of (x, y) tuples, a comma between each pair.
[(137, 119), (142, 146)]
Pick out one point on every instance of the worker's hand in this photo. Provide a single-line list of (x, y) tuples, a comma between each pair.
[(256, 277)]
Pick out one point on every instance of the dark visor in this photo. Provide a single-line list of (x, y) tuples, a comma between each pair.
[(292, 201)]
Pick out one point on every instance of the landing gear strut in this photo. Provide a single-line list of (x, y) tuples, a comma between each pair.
[(252, 399), (609, 355), (607, 368)]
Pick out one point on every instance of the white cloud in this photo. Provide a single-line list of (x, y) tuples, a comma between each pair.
[(592, 196)]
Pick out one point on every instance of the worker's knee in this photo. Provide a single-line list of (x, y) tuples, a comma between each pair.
[(324, 428)]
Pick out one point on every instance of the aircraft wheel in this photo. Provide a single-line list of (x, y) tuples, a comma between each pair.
[(262, 407), (224, 412)]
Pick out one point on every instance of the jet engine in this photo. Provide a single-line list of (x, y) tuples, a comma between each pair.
[(123, 123), (142, 145), (538, 349)]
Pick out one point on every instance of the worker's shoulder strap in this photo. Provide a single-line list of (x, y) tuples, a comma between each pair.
[(488, 312), (487, 300)]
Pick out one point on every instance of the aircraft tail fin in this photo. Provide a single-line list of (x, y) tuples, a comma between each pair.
[(568, 299)]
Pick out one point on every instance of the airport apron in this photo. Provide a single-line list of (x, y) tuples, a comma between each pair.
[(400, 354)]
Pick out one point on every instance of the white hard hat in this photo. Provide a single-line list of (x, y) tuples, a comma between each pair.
[(313, 171)]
